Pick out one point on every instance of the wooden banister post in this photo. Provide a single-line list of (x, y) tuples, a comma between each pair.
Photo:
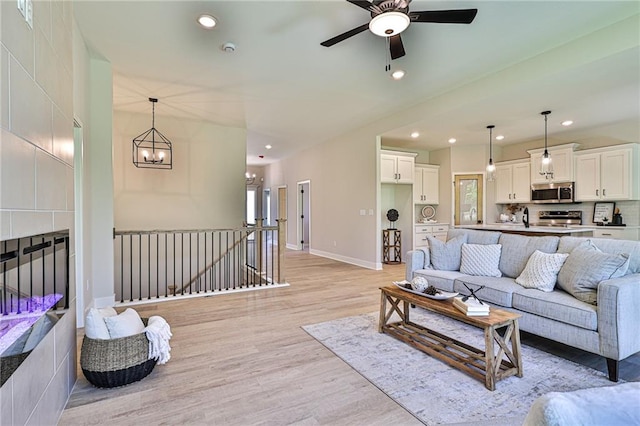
[(258, 251), (282, 245)]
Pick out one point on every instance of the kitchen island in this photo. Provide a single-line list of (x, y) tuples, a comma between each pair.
[(518, 228)]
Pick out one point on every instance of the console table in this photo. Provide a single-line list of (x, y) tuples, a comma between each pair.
[(391, 246)]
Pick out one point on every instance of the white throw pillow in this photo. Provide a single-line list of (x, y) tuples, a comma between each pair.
[(94, 325), (125, 324), (541, 271), (481, 259)]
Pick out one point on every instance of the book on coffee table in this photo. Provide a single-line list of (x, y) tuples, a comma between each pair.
[(471, 306)]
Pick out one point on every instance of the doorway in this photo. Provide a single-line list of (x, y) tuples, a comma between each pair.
[(304, 215), (468, 197), (266, 206)]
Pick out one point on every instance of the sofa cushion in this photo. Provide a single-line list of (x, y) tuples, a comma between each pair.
[(446, 256), (442, 280), (497, 291), (516, 250), (542, 270), (556, 305), (481, 259), (474, 236), (586, 266), (567, 244)]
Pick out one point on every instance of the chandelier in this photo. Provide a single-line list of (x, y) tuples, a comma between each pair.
[(151, 149)]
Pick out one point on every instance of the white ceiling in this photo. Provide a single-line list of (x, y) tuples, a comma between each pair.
[(290, 92)]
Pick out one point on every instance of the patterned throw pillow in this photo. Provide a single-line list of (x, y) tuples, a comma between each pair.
[(541, 271), (446, 256), (586, 266), (481, 259)]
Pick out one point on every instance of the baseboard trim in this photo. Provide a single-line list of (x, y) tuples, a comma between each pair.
[(201, 294), (292, 247), (350, 260)]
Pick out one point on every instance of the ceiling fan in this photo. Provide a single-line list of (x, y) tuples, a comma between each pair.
[(391, 17)]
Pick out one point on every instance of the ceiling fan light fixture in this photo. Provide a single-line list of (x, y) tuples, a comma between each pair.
[(207, 21), (388, 24), (398, 74)]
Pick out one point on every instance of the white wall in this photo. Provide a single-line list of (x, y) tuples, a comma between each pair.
[(204, 190), (36, 185)]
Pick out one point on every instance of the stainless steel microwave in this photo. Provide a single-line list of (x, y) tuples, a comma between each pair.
[(553, 193)]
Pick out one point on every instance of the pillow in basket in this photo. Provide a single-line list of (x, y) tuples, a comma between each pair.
[(128, 323), (94, 325)]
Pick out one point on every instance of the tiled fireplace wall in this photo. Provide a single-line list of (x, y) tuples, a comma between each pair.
[(36, 184)]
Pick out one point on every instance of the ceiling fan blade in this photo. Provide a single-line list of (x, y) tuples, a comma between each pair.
[(460, 16), (396, 47), (367, 5), (344, 36)]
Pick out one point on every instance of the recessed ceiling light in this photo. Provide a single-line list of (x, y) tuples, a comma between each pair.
[(268, 146), (207, 21), (415, 135), (452, 140), (499, 137), (567, 123), (397, 74)]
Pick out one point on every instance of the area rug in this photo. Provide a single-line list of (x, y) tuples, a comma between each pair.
[(436, 393)]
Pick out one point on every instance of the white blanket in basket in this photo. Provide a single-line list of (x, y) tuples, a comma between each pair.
[(158, 333)]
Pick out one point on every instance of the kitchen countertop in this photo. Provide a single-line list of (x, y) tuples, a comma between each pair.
[(520, 228)]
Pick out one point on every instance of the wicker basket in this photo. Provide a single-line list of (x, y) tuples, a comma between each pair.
[(116, 362)]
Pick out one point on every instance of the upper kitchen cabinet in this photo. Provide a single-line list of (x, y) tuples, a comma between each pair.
[(512, 182), (425, 184), (396, 166), (609, 173), (561, 159)]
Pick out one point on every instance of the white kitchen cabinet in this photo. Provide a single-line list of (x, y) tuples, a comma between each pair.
[(607, 173), (396, 166), (423, 231), (616, 233), (512, 182), (561, 159), (426, 184)]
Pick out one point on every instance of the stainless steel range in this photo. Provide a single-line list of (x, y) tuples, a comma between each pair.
[(560, 218)]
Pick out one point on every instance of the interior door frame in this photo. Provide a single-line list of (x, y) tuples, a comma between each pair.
[(299, 213), (481, 196)]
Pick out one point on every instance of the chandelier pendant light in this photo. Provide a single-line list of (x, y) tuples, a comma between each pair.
[(151, 149), (491, 168), (546, 166)]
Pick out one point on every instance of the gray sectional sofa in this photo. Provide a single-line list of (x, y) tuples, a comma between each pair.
[(607, 324)]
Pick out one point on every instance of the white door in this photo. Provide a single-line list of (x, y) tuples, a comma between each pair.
[(431, 185), (520, 183), (387, 168), (587, 177), (418, 185), (615, 172), (405, 168), (504, 177)]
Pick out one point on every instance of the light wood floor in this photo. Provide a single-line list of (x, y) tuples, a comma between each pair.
[(242, 359)]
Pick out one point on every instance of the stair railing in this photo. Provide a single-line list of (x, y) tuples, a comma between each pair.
[(161, 264)]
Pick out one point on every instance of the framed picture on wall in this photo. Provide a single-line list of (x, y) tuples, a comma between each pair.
[(603, 212)]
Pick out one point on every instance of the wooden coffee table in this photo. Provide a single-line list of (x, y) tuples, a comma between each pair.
[(488, 365)]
